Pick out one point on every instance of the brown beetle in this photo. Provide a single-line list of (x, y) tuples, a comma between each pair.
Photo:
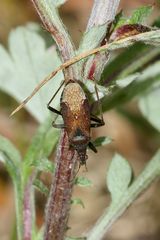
[(75, 111)]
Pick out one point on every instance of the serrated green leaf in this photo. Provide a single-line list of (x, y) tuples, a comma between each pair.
[(26, 64), (83, 182), (101, 141), (11, 158), (150, 107), (116, 209), (140, 14), (41, 187), (118, 177), (78, 201)]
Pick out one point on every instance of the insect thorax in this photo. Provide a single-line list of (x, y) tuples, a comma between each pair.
[(73, 95)]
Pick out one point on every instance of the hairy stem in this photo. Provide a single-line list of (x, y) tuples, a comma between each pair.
[(48, 13), (151, 38), (59, 201), (19, 210), (61, 189), (28, 211), (103, 13)]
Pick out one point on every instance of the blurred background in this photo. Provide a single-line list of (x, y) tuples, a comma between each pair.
[(142, 220)]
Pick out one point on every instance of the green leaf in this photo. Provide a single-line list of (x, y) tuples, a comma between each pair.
[(139, 15), (82, 182), (117, 208), (118, 177), (41, 147), (140, 62), (131, 60), (90, 85), (41, 187), (26, 64), (150, 107), (157, 22), (58, 3), (44, 165), (11, 157), (124, 60), (76, 201), (40, 234), (42, 143), (149, 37), (145, 81), (101, 141), (127, 80), (119, 20)]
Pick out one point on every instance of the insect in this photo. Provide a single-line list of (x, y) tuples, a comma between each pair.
[(78, 121)]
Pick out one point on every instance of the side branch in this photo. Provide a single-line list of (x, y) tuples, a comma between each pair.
[(48, 13), (102, 14), (151, 38)]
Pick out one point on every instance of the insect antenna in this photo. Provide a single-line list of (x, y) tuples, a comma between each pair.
[(55, 94)]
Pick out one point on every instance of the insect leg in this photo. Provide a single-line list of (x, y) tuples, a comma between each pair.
[(96, 119), (95, 125), (48, 105), (54, 110), (98, 122), (92, 147), (60, 125)]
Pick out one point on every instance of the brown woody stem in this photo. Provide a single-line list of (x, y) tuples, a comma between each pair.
[(61, 190)]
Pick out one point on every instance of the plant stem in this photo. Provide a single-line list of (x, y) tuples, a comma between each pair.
[(28, 209), (151, 38), (103, 13), (61, 189), (60, 195), (19, 211), (48, 13), (116, 209)]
